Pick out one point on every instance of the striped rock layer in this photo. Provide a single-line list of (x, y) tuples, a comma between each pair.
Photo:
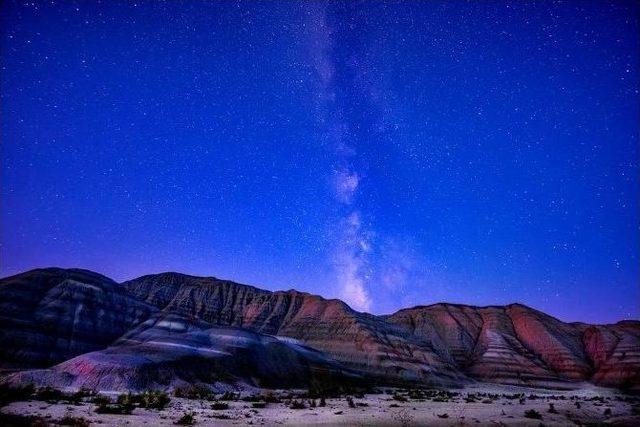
[(52, 315)]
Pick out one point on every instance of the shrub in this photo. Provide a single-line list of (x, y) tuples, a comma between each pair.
[(116, 408), (399, 397), (125, 399), (50, 394), (532, 413), (445, 415), (186, 420), (219, 406), (154, 400), (416, 394), (193, 391), (323, 402), (79, 395), (297, 404), (259, 405), (271, 398), (607, 412), (350, 402), (229, 395), (552, 409), (101, 400), (10, 394), (252, 398)]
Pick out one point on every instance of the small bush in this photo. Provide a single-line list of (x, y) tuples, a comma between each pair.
[(186, 420), (229, 395), (532, 413), (10, 394), (350, 402), (323, 402), (297, 404), (399, 397), (445, 415), (154, 400), (271, 398), (114, 409), (127, 399), (416, 394), (77, 397), (101, 400), (50, 394), (259, 405), (607, 412), (219, 406), (552, 409), (193, 391), (252, 398)]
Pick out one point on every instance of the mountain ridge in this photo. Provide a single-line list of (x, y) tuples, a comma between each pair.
[(458, 304), (442, 344)]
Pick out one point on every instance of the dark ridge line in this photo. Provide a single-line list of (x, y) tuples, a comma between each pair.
[(290, 291)]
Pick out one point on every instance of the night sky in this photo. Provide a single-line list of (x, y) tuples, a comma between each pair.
[(387, 153)]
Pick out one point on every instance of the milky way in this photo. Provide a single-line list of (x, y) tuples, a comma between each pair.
[(387, 153)]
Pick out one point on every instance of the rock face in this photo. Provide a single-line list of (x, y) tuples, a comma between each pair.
[(169, 350), (50, 315), (615, 353), (360, 341), (168, 328), (522, 346)]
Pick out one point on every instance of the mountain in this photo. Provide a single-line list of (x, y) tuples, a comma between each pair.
[(165, 329), (50, 315), (169, 350), (360, 341)]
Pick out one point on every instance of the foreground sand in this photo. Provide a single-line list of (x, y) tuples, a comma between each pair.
[(587, 406)]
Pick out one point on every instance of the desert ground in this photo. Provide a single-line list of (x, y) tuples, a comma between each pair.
[(480, 404)]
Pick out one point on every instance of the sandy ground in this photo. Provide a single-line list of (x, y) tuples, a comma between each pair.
[(380, 409)]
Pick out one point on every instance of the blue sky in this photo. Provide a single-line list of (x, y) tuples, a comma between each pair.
[(388, 153)]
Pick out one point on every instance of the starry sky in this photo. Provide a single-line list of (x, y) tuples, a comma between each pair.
[(387, 153)]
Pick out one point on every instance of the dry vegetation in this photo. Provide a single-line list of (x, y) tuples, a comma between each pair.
[(405, 407)]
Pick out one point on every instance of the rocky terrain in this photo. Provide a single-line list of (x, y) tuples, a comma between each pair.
[(477, 404), (75, 328), (50, 315)]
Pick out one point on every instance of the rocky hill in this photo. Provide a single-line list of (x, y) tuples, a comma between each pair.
[(99, 330)]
